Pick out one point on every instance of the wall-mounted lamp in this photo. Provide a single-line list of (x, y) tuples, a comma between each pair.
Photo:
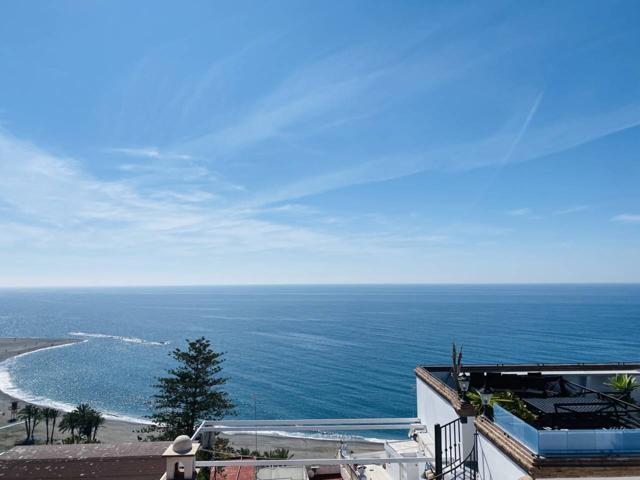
[(463, 383)]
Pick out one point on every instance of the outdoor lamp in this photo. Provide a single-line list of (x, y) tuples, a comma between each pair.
[(463, 383), (485, 396)]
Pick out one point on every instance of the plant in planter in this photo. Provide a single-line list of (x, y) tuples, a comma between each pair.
[(456, 365), (507, 400), (624, 384)]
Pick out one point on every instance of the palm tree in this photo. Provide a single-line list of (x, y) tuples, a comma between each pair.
[(31, 415), (36, 419), (83, 423), (624, 384), (95, 421), (50, 414), (69, 423), (53, 417), (26, 415), (245, 452), (85, 414), (280, 453)]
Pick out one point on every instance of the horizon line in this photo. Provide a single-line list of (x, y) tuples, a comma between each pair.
[(317, 284)]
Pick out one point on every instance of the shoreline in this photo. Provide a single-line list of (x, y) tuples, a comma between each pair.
[(113, 431), (117, 430), (8, 389), (13, 347)]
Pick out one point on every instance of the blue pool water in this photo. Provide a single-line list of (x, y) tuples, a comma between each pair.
[(306, 351)]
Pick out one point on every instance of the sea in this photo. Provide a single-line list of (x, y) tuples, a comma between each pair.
[(303, 351)]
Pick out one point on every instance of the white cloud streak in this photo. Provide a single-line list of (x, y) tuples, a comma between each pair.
[(570, 210), (520, 212), (151, 152), (627, 218), (56, 206), (59, 203)]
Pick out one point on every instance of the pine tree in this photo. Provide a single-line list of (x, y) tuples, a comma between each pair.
[(191, 392)]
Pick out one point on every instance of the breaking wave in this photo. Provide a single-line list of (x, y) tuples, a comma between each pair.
[(139, 341), (8, 386)]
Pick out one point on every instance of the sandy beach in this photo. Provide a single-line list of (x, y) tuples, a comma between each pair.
[(116, 431)]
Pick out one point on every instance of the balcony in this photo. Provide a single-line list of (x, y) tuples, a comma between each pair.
[(568, 442)]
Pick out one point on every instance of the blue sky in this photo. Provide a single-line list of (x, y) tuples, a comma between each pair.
[(147, 143)]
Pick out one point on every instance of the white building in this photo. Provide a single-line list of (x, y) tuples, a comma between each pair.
[(581, 429), (489, 422)]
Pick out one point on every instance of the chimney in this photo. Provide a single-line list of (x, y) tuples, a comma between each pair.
[(181, 459)]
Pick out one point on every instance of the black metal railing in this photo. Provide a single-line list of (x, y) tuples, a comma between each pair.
[(627, 414), (448, 443), (449, 462)]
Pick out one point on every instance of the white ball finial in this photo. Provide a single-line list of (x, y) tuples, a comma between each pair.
[(182, 444)]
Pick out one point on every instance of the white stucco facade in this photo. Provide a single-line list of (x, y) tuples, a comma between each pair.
[(495, 465), (432, 408)]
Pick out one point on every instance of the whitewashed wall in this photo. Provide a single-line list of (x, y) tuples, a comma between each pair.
[(432, 408), (495, 465)]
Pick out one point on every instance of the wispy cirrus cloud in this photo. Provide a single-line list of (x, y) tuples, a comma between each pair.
[(349, 86), (573, 209), (57, 205), (352, 84), (151, 152), (553, 138), (519, 212), (55, 194), (627, 218), (299, 99)]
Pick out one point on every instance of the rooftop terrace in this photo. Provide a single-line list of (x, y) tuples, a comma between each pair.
[(552, 409)]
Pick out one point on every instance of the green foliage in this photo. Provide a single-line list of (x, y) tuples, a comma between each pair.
[(517, 406), (507, 400), (280, 453), (624, 384), (69, 423), (475, 400), (50, 415), (189, 393), (82, 423), (31, 415), (222, 450), (276, 453), (203, 474)]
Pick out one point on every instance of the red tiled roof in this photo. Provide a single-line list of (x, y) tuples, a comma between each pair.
[(247, 472)]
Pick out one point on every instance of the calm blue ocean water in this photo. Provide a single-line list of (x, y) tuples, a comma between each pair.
[(312, 351)]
